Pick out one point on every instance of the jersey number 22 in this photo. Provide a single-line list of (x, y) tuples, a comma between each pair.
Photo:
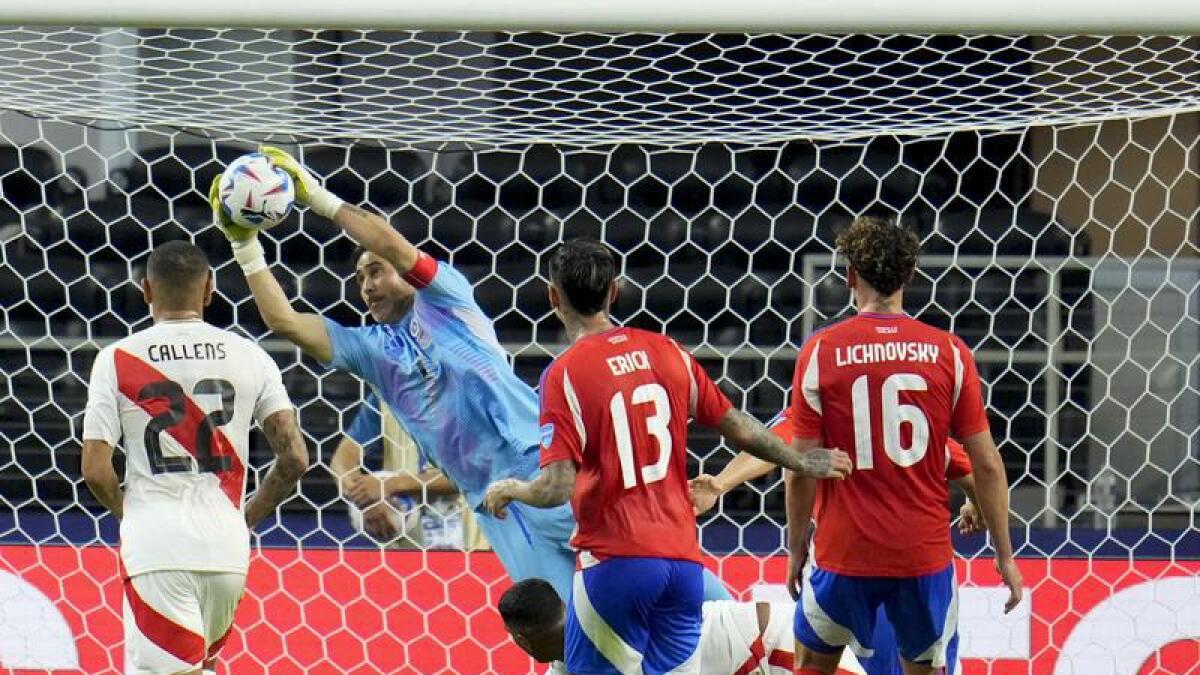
[(173, 416)]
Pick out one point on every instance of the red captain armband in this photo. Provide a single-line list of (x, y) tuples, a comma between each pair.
[(422, 272)]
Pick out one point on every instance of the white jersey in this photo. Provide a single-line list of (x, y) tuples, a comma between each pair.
[(180, 397), (730, 640), (731, 643)]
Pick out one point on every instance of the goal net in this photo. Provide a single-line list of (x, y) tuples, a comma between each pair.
[(1054, 180)]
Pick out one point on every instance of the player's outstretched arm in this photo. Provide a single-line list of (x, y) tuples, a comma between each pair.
[(991, 487), (291, 461), (552, 487), (346, 463), (101, 477), (970, 520), (306, 331), (706, 489), (370, 230), (747, 434), (800, 493), (371, 488)]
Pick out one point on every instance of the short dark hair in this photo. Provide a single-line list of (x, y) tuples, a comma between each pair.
[(584, 269), (359, 251), (178, 266), (532, 603), (882, 251)]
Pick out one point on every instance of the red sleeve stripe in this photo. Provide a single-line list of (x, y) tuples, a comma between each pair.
[(423, 271), (133, 374), (174, 639)]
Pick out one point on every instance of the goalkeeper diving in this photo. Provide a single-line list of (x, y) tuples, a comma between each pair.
[(433, 358)]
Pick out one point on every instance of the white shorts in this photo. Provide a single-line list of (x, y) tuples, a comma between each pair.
[(176, 620)]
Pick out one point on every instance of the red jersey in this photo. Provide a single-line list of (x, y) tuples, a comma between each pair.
[(958, 464), (886, 389), (617, 405)]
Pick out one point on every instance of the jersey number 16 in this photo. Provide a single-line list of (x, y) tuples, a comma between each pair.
[(895, 414)]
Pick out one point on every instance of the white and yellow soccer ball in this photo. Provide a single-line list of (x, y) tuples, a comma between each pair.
[(254, 193)]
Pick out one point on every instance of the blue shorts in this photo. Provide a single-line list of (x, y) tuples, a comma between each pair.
[(635, 615), (535, 543), (886, 657), (837, 611)]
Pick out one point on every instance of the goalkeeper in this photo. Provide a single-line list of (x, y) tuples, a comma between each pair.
[(433, 357)]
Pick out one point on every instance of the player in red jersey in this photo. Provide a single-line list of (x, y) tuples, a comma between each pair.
[(885, 659), (615, 408), (893, 390)]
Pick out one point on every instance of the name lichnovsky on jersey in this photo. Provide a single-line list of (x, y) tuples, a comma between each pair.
[(920, 352), (194, 351)]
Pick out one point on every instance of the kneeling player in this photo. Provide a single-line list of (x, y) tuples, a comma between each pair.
[(742, 638), (182, 395)]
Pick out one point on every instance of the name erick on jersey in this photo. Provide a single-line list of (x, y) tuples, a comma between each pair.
[(445, 377), (617, 405), (180, 397), (889, 391)]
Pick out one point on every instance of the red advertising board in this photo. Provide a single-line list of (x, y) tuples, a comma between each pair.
[(363, 611)]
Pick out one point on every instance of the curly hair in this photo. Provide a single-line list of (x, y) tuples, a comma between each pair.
[(882, 251)]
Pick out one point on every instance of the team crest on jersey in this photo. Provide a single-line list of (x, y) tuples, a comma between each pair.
[(419, 334), (547, 435)]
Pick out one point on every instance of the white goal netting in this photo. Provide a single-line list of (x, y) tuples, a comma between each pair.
[(1055, 182)]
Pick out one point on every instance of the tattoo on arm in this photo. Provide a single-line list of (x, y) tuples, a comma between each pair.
[(749, 435), (553, 487), (291, 461)]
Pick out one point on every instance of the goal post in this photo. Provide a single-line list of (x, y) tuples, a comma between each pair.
[(1054, 180)]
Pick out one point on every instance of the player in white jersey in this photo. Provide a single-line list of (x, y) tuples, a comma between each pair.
[(180, 398), (736, 638)]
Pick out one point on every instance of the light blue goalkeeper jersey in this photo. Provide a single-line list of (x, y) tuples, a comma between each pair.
[(444, 375)]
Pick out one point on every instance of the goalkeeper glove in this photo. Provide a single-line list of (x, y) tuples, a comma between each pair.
[(246, 248), (309, 190)]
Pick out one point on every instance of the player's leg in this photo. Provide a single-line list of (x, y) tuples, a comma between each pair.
[(164, 630), (608, 618), (525, 552), (834, 612), (924, 612), (886, 657), (546, 553), (674, 645), (220, 595)]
